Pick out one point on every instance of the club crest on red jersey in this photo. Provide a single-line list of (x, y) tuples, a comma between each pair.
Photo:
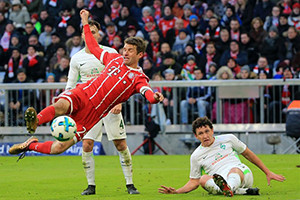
[(131, 75)]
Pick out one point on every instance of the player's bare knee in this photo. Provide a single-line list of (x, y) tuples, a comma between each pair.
[(120, 144), (87, 145), (61, 107), (237, 171)]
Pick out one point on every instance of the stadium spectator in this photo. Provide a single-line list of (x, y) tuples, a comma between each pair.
[(111, 32), (273, 47), (124, 21), (136, 11), (248, 46), (14, 43), (244, 10), (45, 36), (98, 11), (233, 66), (34, 65), (193, 27), (197, 99), (172, 33), (257, 32), (223, 42), (245, 73), (148, 67), (235, 30), (211, 74), (15, 62), (262, 64), (153, 46), (3, 22), (292, 43), (169, 62), (187, 72), (226, 175), (115, 9), (4, 8), (180, 42), (204, 19), (263, 9), (212, 32), (74, 44), (229, 15), (5, 38), (79, 5), (53, 7), (220, 7), (234, 51), (33, 40), (199, 8), (188, 50), (65, 18), (177, 8), (44, 18), (200, 44), (164, 48), (283, 25), (272, 20), (157, 9), (29, 30), (294, 18), (285, 6), (148, 28), (20, 100), (35, 6), (167, 22), (55, 59), (18, 14), (211, 55)]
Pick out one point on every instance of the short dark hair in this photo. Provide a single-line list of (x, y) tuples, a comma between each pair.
[(94, 23), (201, 122), (138, 42)]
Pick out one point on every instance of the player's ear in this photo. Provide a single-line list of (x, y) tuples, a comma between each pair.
[(141, 54)]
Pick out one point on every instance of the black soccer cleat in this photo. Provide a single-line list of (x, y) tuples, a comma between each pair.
[(131, 189), (252, 191), (222, 184), (90, 190)]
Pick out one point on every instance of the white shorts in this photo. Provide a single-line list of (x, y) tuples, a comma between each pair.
[(114, 126), (248, 176)]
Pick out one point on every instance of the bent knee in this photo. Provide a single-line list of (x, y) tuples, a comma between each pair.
[(204, 179), (87, 145)]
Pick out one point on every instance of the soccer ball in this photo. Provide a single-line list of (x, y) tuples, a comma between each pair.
[(63, 128)]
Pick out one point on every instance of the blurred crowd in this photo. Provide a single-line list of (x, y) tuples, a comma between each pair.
[(186, 40)]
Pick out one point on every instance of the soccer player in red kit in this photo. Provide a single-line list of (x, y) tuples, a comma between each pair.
[(91, 101)]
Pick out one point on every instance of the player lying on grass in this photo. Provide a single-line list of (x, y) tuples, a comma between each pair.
[(87, 66), (215, 164), (89, 102)]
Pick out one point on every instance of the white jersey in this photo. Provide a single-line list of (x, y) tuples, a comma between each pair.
[(222, 154), (85, 66)]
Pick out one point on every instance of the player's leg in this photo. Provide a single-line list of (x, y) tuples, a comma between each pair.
[(95, 134), (88, 166), (115, 128), (48, 147), (209, 185), (234, 178), (247, 182), (46, 115)]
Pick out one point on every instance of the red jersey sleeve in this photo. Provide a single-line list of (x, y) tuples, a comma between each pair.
[(143, 87)]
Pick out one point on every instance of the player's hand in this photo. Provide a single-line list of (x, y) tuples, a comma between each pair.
[(158, 96), (84, 14), (273, 176), (166, 190), (117, 109)]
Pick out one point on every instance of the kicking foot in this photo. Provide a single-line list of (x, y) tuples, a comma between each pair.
[(252, 191), (90, 190), (131, 189), (22, 147), (31, 120), (222, 184)]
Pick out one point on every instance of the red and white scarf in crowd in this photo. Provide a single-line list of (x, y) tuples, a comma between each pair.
[(11, 66), (32, 60), (111, 37), (155, 49), (189, 67), (198, 48), (4, 42), (216, 35), (63, 22), (285, 95), (149, 29), (28, 1), (157, 12), (296, 24), (115, 12), (92, 3), (235, 35), (256, 69), (234, 55), (53, 3)]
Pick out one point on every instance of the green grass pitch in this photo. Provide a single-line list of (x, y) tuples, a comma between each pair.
[(62, 177)]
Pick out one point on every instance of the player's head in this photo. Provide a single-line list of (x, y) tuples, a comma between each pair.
[(95, 28), (133, 50), (203, 131)]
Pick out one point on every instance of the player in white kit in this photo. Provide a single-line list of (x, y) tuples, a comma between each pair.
[(215, 164), (85, 66)]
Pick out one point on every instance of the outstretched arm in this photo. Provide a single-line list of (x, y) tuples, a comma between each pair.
[(249, 155), (191, 185), (154, 97)]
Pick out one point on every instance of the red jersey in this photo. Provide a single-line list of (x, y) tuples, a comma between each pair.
[(164, 25), (116, 83)]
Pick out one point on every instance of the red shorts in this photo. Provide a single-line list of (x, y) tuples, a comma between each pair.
[(81, 110)]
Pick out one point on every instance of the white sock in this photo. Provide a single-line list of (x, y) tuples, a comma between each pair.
[(125, 160), (211, 187), (89, 166), (241, 191), (234, 181)]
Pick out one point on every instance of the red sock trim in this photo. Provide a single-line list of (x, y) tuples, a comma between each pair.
[(46, 115), (44, 147)]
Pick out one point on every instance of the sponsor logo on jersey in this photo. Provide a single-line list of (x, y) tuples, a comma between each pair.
[(95, 71)]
